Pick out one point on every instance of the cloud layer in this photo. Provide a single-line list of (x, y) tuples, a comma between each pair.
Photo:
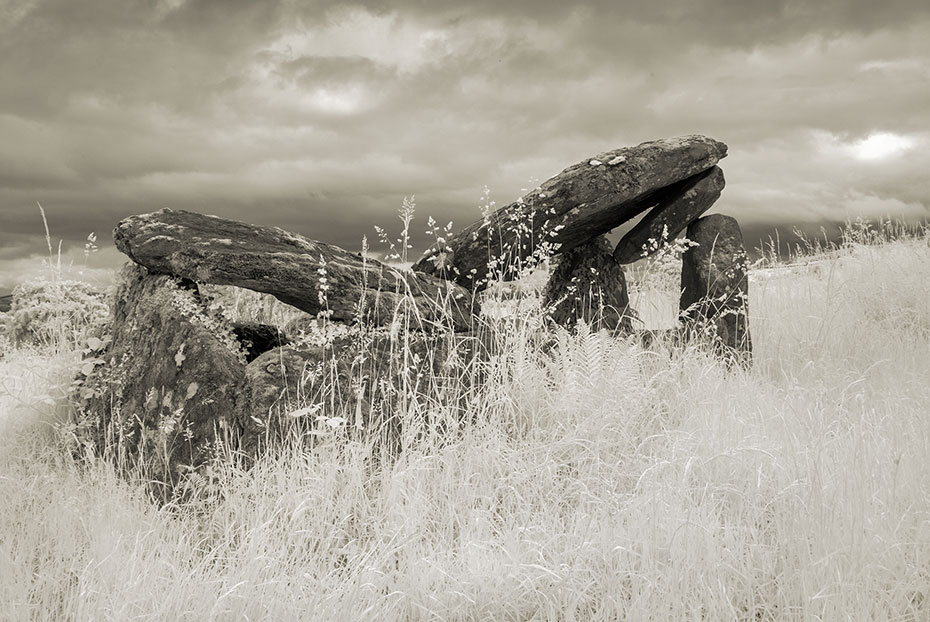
[(321, 120)]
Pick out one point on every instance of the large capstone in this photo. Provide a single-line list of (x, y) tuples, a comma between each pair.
[(310, 275), (581, 203)]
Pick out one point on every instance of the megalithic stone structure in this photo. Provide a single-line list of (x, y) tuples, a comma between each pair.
[(177, 378), (579, 204), (715, 286), (304, 273)]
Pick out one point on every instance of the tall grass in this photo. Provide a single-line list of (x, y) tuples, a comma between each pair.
[(593, 480)]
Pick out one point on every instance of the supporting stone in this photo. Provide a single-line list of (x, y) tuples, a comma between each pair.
[(715, 286), (588, 284), (376, 380), (167, 389)]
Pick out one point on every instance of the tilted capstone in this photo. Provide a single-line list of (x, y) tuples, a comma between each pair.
[(582, 202)]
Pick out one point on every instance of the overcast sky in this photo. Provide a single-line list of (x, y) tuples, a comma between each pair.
[(320, 117)]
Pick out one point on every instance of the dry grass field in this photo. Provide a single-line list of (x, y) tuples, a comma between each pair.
[(595, 480)]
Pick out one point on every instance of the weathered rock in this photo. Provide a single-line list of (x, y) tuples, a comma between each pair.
[(671, 216), (715, 286), (580, 203), (304, 273), (257, 339), (174, 386), (589, 284), (5, 302), (169, 385), (369, 378)]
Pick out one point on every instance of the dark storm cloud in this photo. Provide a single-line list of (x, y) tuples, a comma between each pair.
[(321, 117)]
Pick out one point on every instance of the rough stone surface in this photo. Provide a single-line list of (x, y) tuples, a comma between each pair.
[(580, 203), (288, 266), (169, 384), (670, 217), (589, 284), (5, 302), (174, 383), (370, 377), (715, 286)]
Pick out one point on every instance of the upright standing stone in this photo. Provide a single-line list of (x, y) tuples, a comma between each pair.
[(588, 284), (715, 287), (168, 387)]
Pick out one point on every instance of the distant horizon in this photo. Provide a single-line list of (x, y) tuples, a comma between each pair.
[(783, 239)]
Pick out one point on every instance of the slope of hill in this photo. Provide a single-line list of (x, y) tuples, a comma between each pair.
[(592, 480)]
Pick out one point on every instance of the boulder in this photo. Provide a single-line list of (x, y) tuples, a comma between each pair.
[(589, 284), (715, 286), (363, 381), (692, 197), (168, 387), (310, 275), (174, 387), (580, 203)]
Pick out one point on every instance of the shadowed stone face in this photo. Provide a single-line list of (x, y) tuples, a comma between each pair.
[(588, 284), (171, 380), (679, 207)]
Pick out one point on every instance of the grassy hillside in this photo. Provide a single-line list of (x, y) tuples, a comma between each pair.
[(598, 481)]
